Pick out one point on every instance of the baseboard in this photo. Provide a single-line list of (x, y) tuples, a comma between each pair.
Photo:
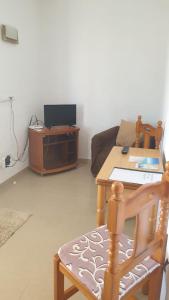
[(13, 178), (84, 160)]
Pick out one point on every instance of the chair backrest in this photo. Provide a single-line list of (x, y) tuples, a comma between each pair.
[(148, 131), (150, 228)]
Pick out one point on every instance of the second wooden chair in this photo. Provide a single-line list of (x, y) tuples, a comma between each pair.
[(148, 131)]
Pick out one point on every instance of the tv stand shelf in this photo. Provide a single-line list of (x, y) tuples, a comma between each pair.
[(53, 150)]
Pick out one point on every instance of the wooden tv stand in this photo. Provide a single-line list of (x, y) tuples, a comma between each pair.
[(53, 150)]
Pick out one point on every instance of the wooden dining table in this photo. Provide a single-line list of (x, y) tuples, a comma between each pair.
[(116, 159)]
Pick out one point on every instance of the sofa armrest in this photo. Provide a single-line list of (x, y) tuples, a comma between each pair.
[(102, 139)]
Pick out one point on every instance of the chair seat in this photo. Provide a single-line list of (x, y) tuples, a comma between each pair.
[(86, 257)]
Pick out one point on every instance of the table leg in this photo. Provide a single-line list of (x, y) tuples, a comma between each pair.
[(101, 200)]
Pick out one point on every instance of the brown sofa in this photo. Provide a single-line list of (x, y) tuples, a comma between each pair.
[(101, 145)]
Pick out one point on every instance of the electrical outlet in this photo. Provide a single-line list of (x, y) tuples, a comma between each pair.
[(7, 161)]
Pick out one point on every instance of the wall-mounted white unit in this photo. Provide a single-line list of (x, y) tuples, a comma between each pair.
[(9, 34)]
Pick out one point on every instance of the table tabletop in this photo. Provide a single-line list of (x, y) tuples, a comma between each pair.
[(119, 160)]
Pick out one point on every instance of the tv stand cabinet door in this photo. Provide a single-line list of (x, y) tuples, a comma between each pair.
[(36, 151)]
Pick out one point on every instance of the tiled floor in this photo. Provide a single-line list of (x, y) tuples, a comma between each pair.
[(63, 206)]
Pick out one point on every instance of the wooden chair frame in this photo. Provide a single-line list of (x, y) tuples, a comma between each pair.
[(149, 240), (148, 131)]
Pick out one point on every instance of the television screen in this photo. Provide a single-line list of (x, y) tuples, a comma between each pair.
[(59, 114)]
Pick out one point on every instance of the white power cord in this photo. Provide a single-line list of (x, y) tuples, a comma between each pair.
[(12, 125), (9, 99), (19, 157)]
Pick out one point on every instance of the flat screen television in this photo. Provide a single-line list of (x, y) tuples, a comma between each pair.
[(59, 114)]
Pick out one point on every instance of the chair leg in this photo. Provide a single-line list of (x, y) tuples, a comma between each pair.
[(58, 280), (145, 289), (154, 288)]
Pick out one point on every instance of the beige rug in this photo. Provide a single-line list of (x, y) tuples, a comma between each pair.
[(10, 221)]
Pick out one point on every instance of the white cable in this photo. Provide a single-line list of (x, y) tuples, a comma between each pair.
[(9, 99), (19, 156), (12, 125)]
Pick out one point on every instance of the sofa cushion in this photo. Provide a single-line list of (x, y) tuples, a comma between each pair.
[(127, 134)]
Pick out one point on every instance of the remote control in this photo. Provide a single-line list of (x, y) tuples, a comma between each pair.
[(125, 150)]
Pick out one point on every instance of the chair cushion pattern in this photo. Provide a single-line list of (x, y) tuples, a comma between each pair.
[(86, 257)]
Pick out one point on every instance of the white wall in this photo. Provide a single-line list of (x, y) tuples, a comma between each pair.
[(19, 75), (165, 106), (166, 152), (165, 118), (108, 57)]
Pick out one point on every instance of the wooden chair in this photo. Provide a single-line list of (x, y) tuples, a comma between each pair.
[(148, 131), (105, 263)]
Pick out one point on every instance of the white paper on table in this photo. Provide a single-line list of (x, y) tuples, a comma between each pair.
[(136, 159), (132, 176)]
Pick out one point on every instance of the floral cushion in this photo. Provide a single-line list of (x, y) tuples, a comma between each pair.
[(86, 257)]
